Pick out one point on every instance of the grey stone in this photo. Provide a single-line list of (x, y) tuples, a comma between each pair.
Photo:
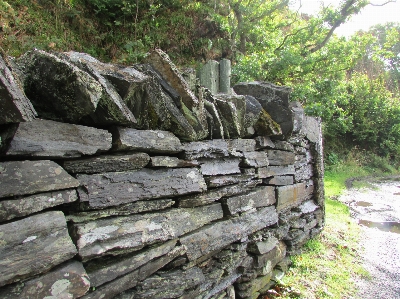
[(259, 197), (280, 180), (30, 177), (215, 194), (291, 195), (209, 76), (110, 268), (313, 223), (107, 163), (195, 107), (47, 138), (274, 99), (253, 111), (307, 207), (242, 145), (271, 170), (15, 208), (219, 167), (152, 141), (250, 289), (298, 116), (297, 223), (225, 76), (264, 142), (15, 106), (274, 256), (222, 285), (122, 210), (41, 243), (223, 180), (171, 162), (68, 280), (312, 128), (304, 173), (216, 148), (266, 126), (218, 235), (284, 146), (264, 246), (215, 125), (279, 158), (124, 234), (232, 110), (74, 92), (255, 159), (130, 280), (116, 188)]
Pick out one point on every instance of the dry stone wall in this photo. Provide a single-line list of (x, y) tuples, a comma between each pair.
[(129, 182)]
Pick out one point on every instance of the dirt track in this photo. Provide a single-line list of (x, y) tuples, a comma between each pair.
[(377, 210)]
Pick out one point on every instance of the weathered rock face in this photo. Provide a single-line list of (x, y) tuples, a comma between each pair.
[(15, 106), (41, 243), (120, 197), (50, 139)]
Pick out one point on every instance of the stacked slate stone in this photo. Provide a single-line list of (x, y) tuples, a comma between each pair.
[(111, 189)]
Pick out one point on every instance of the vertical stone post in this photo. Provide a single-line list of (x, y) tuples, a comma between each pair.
[(209, 76), (225, 76)]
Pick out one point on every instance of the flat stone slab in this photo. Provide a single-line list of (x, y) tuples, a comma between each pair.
[(117, 188), (280, 180), (291, 195), (278, 158), (172, 162), (30, 177), (265, 172), (122, 210), (119, 235), (15, 106), (15, 208), (255, 159), (224, 180), (69, 280), (220, 234), (110, 268), (107, 163), (263, 246), (259, 197), (307, 207), (152, 141), (47, 138), (41, 243), (215, 194), (130, 280), (220, 166)]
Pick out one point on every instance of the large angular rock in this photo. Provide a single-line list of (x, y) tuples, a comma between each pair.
[(152, 141), (263, 246), (15, 208), (266, 126), (260, 197), (15, 106), (130, 233), (253, 112), (274, 99), (218, 235), (107, 163), (298, 116), (47, 138), (122, 210), (130, 280), (116, 188), (30, 177), (291, 195), (232, 110), (61, 90), (192, 108), (41, 243), (274, 256), (219, 167), (110, 268), (69, 280), (172, 284)]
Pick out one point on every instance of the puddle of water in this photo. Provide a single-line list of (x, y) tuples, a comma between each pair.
[(362, 204), (386, 226)]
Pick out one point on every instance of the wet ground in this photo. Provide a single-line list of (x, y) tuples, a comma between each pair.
[(376, 208)]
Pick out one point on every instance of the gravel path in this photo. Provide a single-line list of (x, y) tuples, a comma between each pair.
[(377, 210)]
